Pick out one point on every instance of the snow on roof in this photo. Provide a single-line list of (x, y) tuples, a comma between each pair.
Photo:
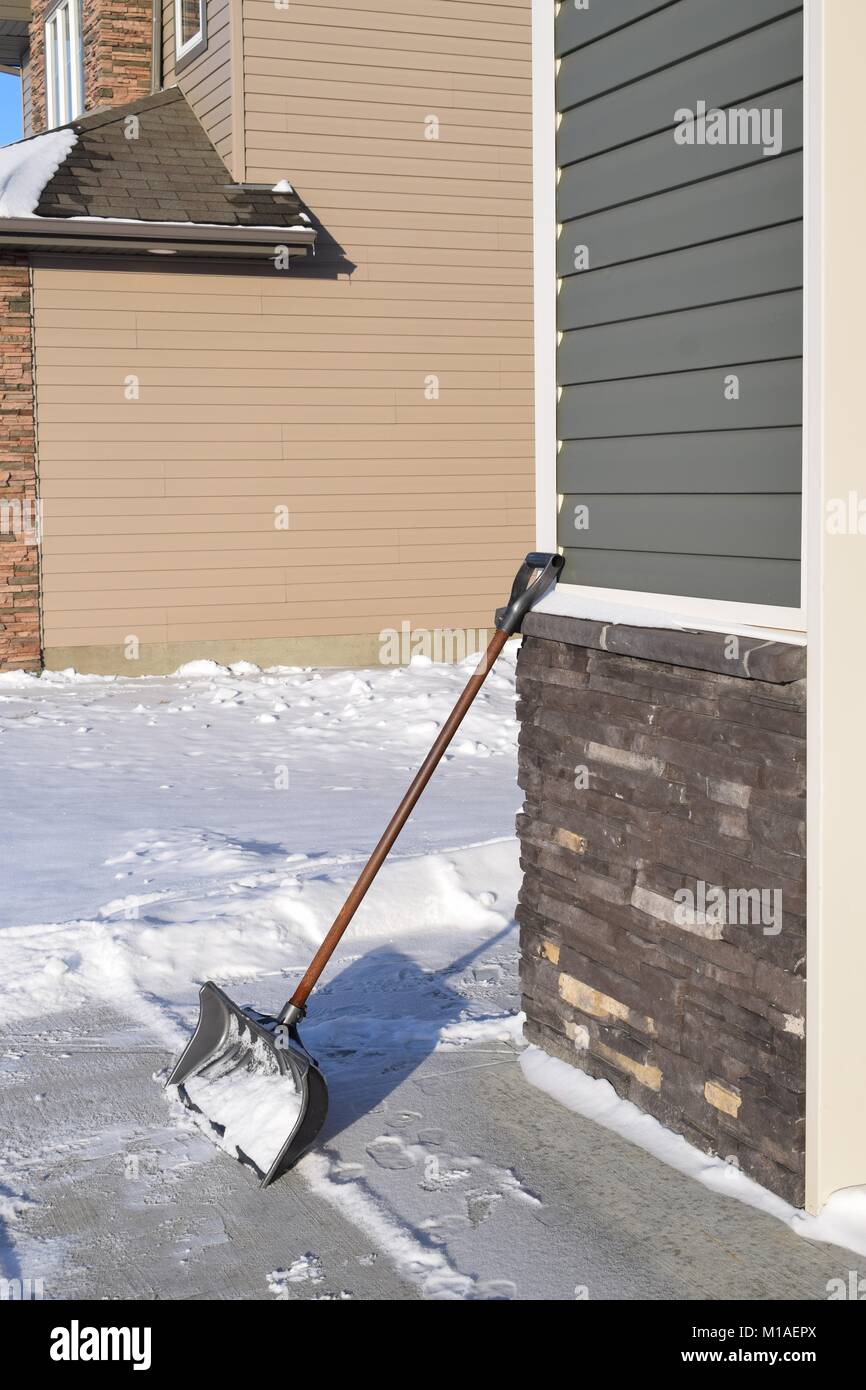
[(222, 226), (26, 168)]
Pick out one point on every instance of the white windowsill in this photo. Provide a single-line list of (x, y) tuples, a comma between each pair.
[(671, 611)]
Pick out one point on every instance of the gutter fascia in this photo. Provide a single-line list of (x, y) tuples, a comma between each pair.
[(48, 233)]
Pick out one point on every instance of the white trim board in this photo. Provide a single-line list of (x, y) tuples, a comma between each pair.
[(836, 414), (666, 611), (813, 427), (544, 233)]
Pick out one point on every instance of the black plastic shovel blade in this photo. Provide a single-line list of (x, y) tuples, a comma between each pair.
[(236, 1053)]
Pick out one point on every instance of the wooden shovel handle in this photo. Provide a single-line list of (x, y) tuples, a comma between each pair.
[(398, 820)]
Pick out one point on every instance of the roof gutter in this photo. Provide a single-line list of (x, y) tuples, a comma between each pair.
[(56, 233)]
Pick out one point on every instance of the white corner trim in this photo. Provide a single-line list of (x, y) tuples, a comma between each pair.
[(817, 1189), (544, 232)]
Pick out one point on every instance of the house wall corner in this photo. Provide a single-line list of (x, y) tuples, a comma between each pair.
[(20, 642)]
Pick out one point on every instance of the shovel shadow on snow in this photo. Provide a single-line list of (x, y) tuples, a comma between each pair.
[(378, 1022)]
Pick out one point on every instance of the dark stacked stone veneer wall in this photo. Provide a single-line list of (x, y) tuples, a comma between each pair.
[(654, 762)]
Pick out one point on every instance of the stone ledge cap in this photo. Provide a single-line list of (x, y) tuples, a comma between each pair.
[(777, 663)]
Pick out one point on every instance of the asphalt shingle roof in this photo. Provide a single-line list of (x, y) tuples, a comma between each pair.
[(167, 172)]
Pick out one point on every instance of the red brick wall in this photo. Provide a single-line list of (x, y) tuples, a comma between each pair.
[(118, 41), (20, 644)]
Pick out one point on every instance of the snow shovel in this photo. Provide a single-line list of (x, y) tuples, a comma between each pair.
[(248, 1073)]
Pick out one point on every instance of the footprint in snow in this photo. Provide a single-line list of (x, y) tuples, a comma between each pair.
[(390, 1152), (494, 1290), (404, 1119), (438, 1177), (479, 1205), (307, 1269), (347, 1172), (432, 1138), (439, 1228)]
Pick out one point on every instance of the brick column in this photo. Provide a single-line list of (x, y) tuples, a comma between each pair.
[(38, 117), (118, 42), (20, 644)]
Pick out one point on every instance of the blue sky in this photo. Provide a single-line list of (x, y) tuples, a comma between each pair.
[(10, 108)]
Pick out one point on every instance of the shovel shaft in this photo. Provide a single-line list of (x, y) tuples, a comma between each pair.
[(398, 820)]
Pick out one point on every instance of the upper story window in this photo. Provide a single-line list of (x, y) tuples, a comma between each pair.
[(190, 29), (64, 63)]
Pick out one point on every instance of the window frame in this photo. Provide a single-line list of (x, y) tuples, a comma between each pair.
[(186, 53), (63, 106)]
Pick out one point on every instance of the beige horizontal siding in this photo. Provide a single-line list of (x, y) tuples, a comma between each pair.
[(206, 82), (17, 11), (306, 391), (351, 89), (159, 512)]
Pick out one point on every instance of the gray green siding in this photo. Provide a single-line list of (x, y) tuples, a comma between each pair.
[(695, 277)]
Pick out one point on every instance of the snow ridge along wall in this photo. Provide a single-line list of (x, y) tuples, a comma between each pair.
[(662, 913), (19, 524)]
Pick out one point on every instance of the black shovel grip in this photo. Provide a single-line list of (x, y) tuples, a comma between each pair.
[(526, 591)]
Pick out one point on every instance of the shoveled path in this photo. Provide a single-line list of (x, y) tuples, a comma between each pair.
[(461, 1181)]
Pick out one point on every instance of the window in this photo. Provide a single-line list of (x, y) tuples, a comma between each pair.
[(64, 63), (190, 29)]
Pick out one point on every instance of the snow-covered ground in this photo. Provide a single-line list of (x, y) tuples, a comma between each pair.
[(167, 831), (158, 832), (161, 832)]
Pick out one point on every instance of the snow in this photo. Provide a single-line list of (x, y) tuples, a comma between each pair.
[(256, 1104), (26, 168), (164, 836), (305, 1269), (162, 833), (153, 222), (173, 787), (842, 1221), (609, 606), (414, 1258)]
